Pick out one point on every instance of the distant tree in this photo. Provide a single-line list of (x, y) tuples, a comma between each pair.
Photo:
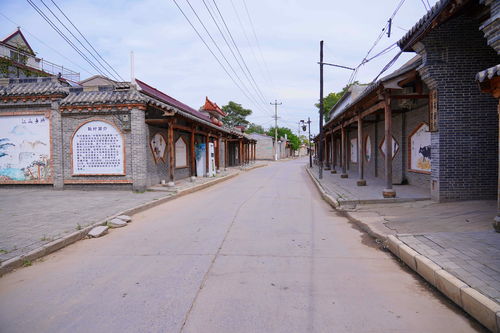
[(286, 132), (254, 128), (236, 114), (332, 99), (3, 146)]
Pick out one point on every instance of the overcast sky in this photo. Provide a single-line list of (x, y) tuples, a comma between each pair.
[(171, 57)]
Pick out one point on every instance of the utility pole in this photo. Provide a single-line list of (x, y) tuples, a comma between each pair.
[(276, 128), (320, 145)]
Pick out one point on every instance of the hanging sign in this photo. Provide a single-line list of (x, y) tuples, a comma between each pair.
[(98, 149)]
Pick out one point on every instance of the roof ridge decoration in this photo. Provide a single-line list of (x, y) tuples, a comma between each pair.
[(212, 106)]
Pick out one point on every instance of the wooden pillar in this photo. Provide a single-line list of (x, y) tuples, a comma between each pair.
[(327, 153), (193, 154), (240, 154), (361, 149), (344, 153), (332, 153), (217, 153), (226, 154), (171, 152), (388, 192), (496, 221), (207, 155), (255, 151)]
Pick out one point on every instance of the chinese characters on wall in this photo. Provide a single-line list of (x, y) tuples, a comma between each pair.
[(97, 150)]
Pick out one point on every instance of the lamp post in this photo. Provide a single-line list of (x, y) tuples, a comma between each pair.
[(304, 128)]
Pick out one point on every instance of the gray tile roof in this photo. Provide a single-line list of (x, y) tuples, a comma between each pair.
[(30, 87), (488, 74), (102, 97)]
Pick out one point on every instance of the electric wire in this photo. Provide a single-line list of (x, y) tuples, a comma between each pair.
[(220, 51), (46, 45), (80, 42), (63, 36), (211, 51), (83, 36)]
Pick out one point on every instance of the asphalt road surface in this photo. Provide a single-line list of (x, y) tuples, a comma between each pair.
[(259, 253)]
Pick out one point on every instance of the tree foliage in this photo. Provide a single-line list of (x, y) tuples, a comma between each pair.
[(332, 99), (236, 114), (254, 128), (286, 132)]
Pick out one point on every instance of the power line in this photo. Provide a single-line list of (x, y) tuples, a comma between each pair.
[(46, 45), (81, 34), (53, 26), (79, 41), (239, 53), (211, 51)]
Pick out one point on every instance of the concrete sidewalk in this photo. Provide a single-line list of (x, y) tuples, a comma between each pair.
[(452, 245), (38, 221)]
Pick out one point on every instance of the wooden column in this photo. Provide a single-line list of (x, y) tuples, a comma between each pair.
[(344, 153), (496, 221), (207, 155), (240, 154), (388, 192), (193, 155), (226, 153), (217, 153), (327, 153), (170, 145), (332, 153), (361, 149)]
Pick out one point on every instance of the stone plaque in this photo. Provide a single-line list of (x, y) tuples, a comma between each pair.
[(180, 153), (97, 148)]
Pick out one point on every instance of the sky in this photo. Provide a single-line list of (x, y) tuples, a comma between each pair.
[(278, 42)]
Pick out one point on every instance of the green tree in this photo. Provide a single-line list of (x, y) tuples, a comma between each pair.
[(254, 128), (332, 99), (236, 114), (286, 132)]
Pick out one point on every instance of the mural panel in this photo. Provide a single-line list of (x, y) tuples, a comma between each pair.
[(180, 153), (97, 149), (25, 153), (354, 150), (368, 149), (158, 147), (420, 149), (395, 147)]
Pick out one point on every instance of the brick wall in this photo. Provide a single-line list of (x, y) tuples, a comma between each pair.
[(465, 147)]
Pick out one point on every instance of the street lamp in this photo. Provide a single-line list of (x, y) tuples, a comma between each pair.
[(304, 127)]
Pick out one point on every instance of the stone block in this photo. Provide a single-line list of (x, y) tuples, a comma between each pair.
[(450, 286), (116, 223), (407, 254), (344, 175), (393, 244), (98, 231), (480, 307), (427, 268), (125, 218)]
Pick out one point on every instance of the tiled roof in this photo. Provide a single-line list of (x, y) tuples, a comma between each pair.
[(30, 87), (103, 97), (155, 93), (488, 74)]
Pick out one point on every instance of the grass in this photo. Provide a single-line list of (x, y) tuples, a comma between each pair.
[(78, 226), (27, 263)]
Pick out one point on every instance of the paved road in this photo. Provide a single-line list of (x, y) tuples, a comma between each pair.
[(259, 253)]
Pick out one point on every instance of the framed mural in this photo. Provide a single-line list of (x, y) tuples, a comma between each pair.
[(97, 149), (354, 150), (419, 156), (158, 146), (395, 147), (180, 153), (25, 148), (368, 148)]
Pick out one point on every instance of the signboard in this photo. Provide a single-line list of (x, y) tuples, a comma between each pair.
[(25, 153), (180, 153), (354, 150), (158, 147), (420, 149), (368, 149), (97, 148), (395, 147)]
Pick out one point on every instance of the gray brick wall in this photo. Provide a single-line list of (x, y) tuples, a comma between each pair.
[(139, 145), (465, 148)]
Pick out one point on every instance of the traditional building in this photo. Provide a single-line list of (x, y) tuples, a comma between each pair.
[(123, 136)]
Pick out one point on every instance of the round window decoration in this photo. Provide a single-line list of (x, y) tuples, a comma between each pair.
[(97, 148)]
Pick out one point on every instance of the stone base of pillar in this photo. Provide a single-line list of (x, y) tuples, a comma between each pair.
[(496, 223), (389, 193), (170, 184), (333, 171), (344, 175), (193, 178), (361, 182), (327, 168)]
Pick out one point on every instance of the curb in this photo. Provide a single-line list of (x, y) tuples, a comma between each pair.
[(254, 167), (478, 306), (16, 262)]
